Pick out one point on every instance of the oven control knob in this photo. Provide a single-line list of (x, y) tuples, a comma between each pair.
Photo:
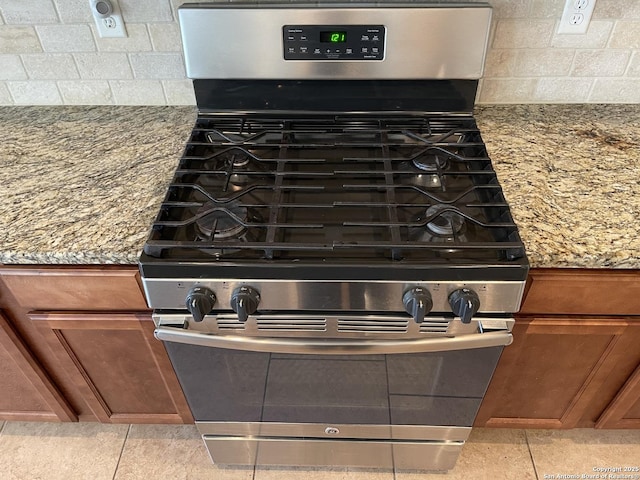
[(464, 303), (200, 301), (417, 302), (244, 301)]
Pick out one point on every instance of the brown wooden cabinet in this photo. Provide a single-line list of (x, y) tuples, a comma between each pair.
[(90, 329), (575, 360), (624, 410), (27, 391)]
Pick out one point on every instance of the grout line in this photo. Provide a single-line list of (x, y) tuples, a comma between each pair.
[(535, 470), (115, 472)]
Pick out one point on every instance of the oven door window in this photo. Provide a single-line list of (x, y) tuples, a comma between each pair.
[(443, 388)]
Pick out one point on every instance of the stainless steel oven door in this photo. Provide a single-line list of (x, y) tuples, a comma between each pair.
[(333, 400)]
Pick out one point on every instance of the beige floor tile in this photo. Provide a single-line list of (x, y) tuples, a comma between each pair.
[(490, 453), (581, 451), (171, 452), (65, 451), (309, 473)]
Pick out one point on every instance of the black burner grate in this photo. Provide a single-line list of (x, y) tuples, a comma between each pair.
[(333, 187)]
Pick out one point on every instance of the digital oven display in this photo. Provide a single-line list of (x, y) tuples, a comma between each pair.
[(333, 42), (333, 37)]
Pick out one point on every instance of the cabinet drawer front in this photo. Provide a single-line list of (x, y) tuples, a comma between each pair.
[(582, 292), (92, 288)]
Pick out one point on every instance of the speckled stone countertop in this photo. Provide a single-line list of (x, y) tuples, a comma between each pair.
[(81, 185), (571, 174)]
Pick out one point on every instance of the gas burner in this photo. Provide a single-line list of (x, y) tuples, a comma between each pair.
[(430, 163), (221, 222), (229, 160), (446, 223)]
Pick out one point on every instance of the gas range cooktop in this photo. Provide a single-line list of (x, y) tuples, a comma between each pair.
[(372, 189)]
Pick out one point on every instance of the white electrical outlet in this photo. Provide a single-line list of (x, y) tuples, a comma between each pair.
[(576, 16), (108, 18)]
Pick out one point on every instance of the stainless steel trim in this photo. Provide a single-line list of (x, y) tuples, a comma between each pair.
[(318, 430), (426, 41), (313, 346), (255, 451), (349, 296), (304, 325)]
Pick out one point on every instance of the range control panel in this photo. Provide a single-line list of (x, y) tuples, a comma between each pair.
[(333, 42)]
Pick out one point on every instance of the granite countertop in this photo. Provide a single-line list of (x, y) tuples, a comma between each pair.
[(82, 185), (571, 174)]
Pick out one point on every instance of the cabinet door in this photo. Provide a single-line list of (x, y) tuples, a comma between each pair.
[(624, 410), (26, 391), (560, 372), (121, 371)]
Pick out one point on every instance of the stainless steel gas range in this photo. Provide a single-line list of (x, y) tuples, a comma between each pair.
[(334, 267)]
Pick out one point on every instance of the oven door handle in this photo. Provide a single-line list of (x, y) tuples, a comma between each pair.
[(310, 346)]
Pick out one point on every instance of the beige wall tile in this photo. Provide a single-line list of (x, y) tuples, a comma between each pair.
[(565, 90), (600, 63), (179, 92), (137, 92), (165, 37), (11, 68), (500, 63), (157, 65), (543, 62), (28, 11), (616, 90), (50, 66), (546, 9), (626, 34), (511, 8), (74, 11), (146, 10), (528, 62), (634, 66), (85, 92), (5, 96), (66, 38), (597, 36), (18, 40), (60, 451), (617, 9), (104, 66), (35, 92), (136, 41), (523, 33), (508, 90)]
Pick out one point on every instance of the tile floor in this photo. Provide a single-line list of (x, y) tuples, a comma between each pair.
[(72, 451)]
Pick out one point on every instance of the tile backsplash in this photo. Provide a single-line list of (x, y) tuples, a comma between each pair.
[(50, 54)]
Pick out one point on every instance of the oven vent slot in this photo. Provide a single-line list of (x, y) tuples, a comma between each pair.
[(229, 323), (435, 326), (275, 324), (372, 325)]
